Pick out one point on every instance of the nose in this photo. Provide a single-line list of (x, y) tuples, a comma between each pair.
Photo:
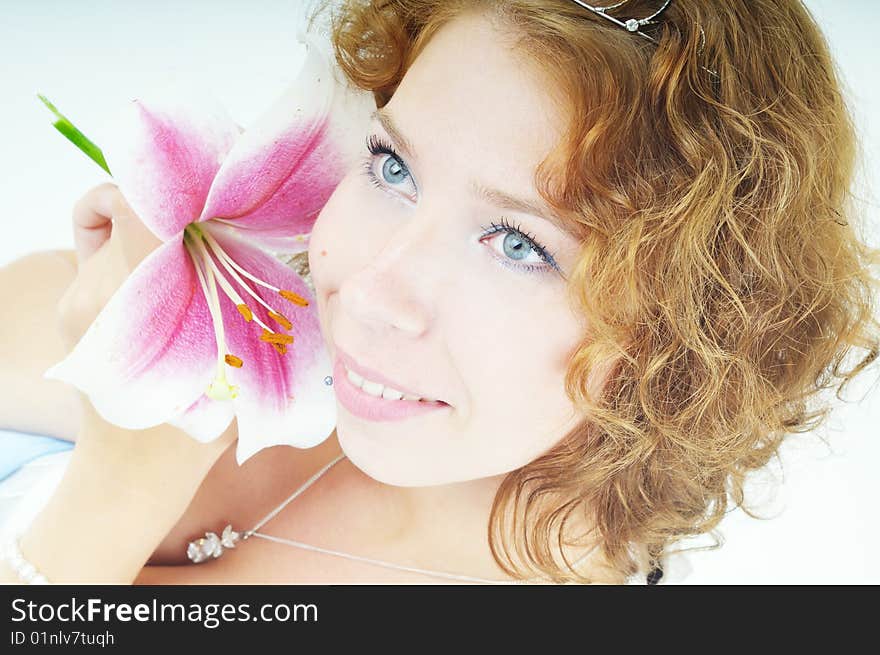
[(393, 289)]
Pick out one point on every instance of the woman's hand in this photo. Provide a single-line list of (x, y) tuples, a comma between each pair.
[(123, 490), (110, 241)]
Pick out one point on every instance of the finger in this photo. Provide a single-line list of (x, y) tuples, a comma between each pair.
[(95, 281), (91, 220), (133, 238)]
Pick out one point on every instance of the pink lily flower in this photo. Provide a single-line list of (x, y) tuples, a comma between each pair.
[(210, 325)]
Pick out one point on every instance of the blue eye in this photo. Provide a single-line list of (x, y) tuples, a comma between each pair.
[(516, 245), (394, 171)]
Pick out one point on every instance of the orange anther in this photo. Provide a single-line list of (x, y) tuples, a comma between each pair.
[(245, 311), (294, 298), (281, 320), (232, 360), (275, 337)]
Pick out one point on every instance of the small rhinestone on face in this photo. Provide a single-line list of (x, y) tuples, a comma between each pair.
[(328, 380)]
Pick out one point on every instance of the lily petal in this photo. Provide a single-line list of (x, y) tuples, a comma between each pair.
[(307, 423), (164, 156), (206, 419), (283, 399), (282, 171), (151, 352)]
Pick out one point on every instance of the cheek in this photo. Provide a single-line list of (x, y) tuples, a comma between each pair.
[(514, 352), (512, 361), (329, 242)]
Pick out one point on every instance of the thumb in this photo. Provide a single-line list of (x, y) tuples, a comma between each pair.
[(131, 237), (92, 220)]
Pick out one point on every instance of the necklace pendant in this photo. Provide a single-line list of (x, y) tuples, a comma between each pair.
[(211, 546)]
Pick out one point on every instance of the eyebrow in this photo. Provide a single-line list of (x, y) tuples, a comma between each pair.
[(496, 197)]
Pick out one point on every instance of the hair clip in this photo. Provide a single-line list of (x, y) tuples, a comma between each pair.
[(634, 25)]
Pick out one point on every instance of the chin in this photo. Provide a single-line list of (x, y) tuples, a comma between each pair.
[(364, 455), (373, 461)]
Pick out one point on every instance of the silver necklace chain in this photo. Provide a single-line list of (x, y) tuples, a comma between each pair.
[(212, 546)]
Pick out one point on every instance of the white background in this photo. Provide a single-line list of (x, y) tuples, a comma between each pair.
[(90, 57)]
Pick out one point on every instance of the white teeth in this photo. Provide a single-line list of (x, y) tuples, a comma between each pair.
[(356, 379), (372, 388), (391, 394), (379, 390)]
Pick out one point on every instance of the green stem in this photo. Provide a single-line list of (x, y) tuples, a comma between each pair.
[(80, 140)]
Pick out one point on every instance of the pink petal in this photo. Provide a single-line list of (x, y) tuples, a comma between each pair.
[(164, 156), (151, 352), (283, 170), (267, 380)]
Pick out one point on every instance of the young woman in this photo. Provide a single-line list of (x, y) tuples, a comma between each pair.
[(619, 254)]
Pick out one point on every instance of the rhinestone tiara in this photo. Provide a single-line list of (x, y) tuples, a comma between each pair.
[(629, 24), (635, 25)]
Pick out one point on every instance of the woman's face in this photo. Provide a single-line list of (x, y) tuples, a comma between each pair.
[(414, 283)]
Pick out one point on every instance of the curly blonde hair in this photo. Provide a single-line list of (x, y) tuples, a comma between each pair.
[(722, 270)]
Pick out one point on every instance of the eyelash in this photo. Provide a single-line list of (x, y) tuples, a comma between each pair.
[(377, 146)]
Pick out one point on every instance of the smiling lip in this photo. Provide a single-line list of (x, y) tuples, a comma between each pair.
[(375, 376), (365, 406)]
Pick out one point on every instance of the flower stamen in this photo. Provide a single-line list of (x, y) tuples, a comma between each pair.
[(275, 337), (205, 244), (293, 297), (225, 258), (219, 388), (281, 320), (245, 311), (231, 267), (228, 289)]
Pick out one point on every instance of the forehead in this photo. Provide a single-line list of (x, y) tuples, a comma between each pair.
[(470, 100)]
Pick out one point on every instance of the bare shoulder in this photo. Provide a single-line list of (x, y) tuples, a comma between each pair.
[(344, 514), (258, 562), (242, 495), (338, 513), (68, 256)]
